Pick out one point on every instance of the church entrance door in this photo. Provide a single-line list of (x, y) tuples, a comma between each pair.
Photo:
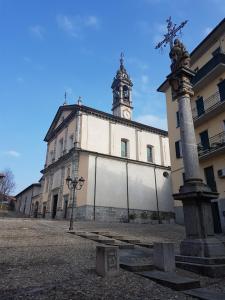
[(54, 207)]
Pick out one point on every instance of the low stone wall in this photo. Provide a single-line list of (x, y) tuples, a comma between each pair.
[(114, 214)]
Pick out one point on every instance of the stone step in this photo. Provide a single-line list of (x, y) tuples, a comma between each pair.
[(201, 260), (128, 240), (145, 245), (87, 235), (104, 241), (71, 231), (136, 267), (114, 236), (171, 280), (205, 294), (214, 271), (124, 245), (105, 233)]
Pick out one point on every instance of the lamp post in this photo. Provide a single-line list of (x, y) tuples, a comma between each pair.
[(74, 184), (2, 176)]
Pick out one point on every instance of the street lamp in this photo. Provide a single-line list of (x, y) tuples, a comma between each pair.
[(2, 176), (74, 184)]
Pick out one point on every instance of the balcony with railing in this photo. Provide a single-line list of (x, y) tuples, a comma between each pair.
[(213, 146), (213, 68), (210, 107)]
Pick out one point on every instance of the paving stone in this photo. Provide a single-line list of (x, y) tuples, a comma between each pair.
[(136, 267), (171, 280), (205, 294)]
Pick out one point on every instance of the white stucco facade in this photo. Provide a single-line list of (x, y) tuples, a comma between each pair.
[(115, 185)]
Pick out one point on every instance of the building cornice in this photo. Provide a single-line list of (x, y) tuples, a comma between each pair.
[(118, 158), (52, 132)]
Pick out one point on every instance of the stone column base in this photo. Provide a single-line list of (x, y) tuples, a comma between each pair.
[(211, 267), (210, 247)]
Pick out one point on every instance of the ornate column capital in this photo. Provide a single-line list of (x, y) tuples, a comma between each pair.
[(180, 82)]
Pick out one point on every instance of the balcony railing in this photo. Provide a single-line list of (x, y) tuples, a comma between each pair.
[(209, 104), (208, 67), (214, 144)]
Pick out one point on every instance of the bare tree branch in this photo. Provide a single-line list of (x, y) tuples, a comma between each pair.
[(7, 183)]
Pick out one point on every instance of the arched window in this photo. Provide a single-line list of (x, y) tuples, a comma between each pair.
[(125, 93)]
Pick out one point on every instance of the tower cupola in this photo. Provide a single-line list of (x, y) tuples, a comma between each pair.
[(122, 88)]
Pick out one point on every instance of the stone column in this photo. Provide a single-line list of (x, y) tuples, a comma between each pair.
[(189, 146), (195, 195)]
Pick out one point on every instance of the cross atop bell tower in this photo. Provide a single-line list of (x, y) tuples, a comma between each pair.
[(122, 87)]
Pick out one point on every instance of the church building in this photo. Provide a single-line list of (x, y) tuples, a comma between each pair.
[(125, 164)]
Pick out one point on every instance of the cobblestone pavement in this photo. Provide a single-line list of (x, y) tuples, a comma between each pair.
[(40, 260)]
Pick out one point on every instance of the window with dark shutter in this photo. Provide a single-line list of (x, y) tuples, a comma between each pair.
[(178, 149), (200, 106), (178, 119)]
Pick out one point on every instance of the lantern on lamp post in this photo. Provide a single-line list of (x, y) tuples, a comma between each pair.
[(73, 185)]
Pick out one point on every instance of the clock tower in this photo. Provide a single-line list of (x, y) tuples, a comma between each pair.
[(122, 86)]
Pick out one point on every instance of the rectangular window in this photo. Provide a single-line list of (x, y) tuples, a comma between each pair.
[(124, 148), (210, 178), (217, 51), (149, 153), (52, 156), (178, 149), (200, 106), (61, 147), (71, 141), (204, 137), (221, 87), (178, 119)]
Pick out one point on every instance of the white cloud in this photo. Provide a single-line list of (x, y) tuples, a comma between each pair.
[(153, 120), (37, 31), (92, 21), (12, 153), (207, 30), (75, 25)]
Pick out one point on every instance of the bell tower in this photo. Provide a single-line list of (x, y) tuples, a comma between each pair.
[(122, 87)]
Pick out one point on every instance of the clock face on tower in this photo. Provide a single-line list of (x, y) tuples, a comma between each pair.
[(126, 114)]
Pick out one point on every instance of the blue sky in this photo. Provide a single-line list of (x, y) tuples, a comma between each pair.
[(52, 46)]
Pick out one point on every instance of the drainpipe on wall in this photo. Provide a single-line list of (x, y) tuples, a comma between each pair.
[(128, 208), (156, 195), (95, 181)]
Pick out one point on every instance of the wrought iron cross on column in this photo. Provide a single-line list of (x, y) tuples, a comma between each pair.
[(171, 34)]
